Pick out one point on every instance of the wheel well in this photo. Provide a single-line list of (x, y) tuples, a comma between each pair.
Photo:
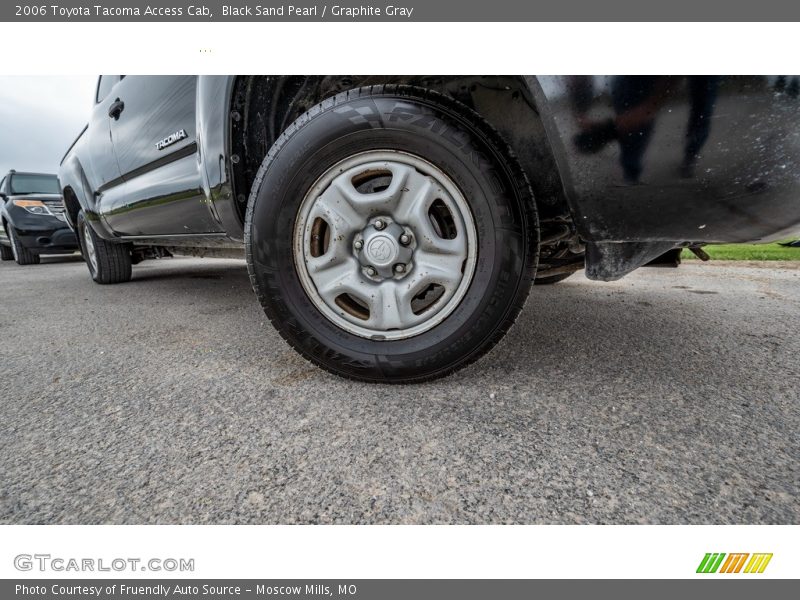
[(72, 204), (264, 106)]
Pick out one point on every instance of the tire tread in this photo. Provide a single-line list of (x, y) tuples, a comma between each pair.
[(24, 256), (114, 264), (6, 253)]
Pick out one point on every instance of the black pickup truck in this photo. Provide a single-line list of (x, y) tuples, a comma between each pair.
[(393, 225)]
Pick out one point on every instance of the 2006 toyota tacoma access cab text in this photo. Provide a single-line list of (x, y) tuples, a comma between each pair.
[(393, 225)]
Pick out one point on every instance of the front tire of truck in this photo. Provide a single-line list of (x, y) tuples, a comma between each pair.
[(108, 262), (391, 235)]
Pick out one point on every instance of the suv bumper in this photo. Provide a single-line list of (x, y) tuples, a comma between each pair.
[(49, 241), (43, 234)]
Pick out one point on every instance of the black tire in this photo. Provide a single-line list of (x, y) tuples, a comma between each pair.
[(20, 253), (6, 253), (552, 279), (113, 262), (458, 142)]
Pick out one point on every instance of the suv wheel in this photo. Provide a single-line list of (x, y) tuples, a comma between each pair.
[(108, 262), (391, 235), (21, 254)]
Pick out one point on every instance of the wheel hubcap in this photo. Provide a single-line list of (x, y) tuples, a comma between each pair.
[(385, 245), (382, 250)]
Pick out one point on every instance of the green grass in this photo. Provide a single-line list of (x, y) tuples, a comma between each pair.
[(748, 252)]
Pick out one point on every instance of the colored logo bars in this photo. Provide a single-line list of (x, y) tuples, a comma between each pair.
[(734, 562)]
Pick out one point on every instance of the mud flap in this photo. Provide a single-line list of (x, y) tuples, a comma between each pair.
[(609, 261)]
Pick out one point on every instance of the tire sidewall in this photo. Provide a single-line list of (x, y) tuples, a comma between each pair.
[(12, 237), (85, 229), (441, 138)]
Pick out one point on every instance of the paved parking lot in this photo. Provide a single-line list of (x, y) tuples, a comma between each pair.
[(672, 396)]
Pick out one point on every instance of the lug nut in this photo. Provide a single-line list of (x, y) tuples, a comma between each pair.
[(358, 245), (371, 271), (405, 239), (379, 224), (399, 268)]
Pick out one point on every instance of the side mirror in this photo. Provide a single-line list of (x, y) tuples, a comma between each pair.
[(3, 196)]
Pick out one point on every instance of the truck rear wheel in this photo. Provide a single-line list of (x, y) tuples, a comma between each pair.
[(391, 235), (108, 262)]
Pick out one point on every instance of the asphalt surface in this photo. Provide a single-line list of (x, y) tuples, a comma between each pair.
[(672, 396)]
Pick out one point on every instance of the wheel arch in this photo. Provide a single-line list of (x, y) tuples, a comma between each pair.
[(72, 204), (262, 107), (75, 191)]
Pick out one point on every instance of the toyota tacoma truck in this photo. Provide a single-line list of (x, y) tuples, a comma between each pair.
[(32, 219), (393, 226)]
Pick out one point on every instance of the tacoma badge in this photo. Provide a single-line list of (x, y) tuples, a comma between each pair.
[(171, 139)]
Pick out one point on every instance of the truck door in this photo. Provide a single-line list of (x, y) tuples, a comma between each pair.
[(103, 170), (153, 129)]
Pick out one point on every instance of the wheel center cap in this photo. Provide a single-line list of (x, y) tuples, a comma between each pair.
[(382, 250)]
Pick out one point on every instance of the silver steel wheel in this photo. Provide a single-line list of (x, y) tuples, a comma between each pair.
[(91, 252), (385, 245)]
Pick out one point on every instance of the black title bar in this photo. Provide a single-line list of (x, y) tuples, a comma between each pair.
[(393, 589), (404, 11)]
